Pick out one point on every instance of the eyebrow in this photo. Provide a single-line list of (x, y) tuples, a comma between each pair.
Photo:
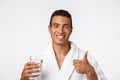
[(55, 24), (67, 24), (59, 24)]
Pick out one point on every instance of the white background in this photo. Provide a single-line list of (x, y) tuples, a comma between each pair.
[(23, 32)]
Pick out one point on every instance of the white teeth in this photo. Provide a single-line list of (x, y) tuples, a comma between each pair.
[(60, 36)]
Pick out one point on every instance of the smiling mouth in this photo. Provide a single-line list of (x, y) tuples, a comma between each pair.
[(60, 37)]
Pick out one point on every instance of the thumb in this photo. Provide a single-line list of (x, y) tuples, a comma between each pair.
[(85, 55)]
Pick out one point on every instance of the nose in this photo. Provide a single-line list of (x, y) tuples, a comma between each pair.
[(61, 29)]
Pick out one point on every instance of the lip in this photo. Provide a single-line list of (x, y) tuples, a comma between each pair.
[(60, 37)]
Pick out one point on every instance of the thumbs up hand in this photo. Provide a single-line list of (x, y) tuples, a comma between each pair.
[(82, 66)]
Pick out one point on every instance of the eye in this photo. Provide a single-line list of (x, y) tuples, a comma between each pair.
[(67, 26), (55, 25)]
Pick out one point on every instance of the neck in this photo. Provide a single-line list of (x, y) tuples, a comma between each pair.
[(61, 50)]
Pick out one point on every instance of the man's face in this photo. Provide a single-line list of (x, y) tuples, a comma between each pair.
[(60, 30)]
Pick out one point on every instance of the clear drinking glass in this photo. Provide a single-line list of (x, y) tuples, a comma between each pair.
[(39, 60)]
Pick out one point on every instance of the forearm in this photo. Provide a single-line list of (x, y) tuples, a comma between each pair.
[(23, 79), (91, 74)]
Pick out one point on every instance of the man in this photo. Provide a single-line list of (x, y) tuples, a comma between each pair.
[(62, 60)]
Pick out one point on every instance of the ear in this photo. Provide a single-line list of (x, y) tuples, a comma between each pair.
[(71, 30), (49, 28)]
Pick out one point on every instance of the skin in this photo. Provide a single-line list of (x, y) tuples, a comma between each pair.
[(83, 66), (29, 68), (60, 31)]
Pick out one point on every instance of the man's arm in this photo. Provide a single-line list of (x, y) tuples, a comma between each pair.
[(29, 69), (91, 74), (83, 66)]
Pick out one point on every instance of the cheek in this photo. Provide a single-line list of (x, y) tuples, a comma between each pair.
[(52, 33), (69, 33)]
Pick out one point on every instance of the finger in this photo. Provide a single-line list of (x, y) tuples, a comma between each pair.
[(32, 63), (33, 66), (77, 69), (29, 67), (85, 55), (76, 65), (31, 75), (29, 64), (33, 71), (77, 61)]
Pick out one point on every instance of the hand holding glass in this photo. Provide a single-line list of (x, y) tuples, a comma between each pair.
[(36, 59)]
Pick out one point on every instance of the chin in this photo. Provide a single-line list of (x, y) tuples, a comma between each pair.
[(61, 43)]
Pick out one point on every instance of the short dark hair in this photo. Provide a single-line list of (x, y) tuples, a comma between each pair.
[(61, 12)]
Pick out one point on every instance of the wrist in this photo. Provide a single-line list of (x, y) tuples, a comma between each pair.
[(89, 69), (91, 74), (24, 79)]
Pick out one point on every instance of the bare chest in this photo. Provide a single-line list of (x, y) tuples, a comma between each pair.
[(60, 61)]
